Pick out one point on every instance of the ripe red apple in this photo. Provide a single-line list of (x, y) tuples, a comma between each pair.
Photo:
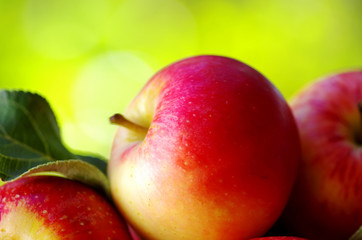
[(48, 207), (208, 149), (279, 238), (327, 200)]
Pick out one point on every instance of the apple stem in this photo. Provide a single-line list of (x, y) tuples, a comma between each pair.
[(120, 120)]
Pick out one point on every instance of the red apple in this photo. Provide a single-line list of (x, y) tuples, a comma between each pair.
[(279, 238), (327, 200), (208, 149), (48, 207)]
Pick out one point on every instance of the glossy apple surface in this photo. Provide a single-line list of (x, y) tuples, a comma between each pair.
[(327, 200), (48, 207), (210, 151)]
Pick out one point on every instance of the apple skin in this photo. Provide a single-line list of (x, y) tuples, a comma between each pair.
[(326, 202), (214, 157), (48, 207)]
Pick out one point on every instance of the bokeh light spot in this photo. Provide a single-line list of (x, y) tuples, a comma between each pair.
[(105, 86)]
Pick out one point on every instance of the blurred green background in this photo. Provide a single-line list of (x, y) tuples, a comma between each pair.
[(89, 58)]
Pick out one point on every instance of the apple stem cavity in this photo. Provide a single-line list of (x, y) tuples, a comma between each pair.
[(120, 120)]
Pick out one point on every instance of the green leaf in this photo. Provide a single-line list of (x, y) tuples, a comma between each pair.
[(29, 135), (75, 170), (357, 235)]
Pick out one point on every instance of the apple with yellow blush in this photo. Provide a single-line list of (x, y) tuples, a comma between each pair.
[(55, 208), (208, 149)]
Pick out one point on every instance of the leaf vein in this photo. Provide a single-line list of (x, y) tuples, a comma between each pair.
[(25, 159), (35, 127), (27, 147)]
